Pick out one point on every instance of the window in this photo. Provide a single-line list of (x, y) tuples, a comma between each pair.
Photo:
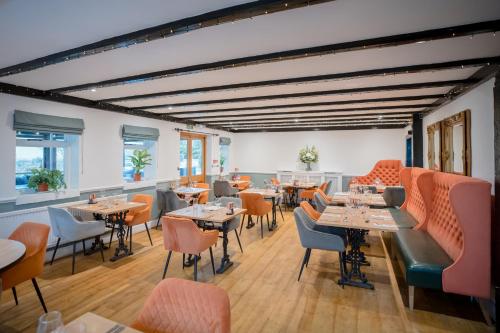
[(224, 158), (53, 151), (129, 145)]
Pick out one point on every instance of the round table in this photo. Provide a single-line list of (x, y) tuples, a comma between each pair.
[(12, 251)]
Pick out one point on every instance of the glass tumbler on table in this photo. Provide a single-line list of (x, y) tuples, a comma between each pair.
[(50, 322)]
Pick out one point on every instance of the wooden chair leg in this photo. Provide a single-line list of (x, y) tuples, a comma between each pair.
[(238, 238), (39, 293), (195, 267), (212, 259), (303, 263), (15, 295), (147, 230), (55, 250), (411, 297), (73, 261), (168, 260)]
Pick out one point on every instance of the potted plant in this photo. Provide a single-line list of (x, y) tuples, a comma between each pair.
[(308, 155), (140, 159), (42, 180), (222, 161)]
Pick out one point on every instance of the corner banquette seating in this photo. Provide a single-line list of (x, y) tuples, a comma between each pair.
[(449, 248), (385, 170)]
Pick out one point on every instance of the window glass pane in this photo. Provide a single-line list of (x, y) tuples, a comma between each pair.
[(184, 156), (27, 158), (129, 147), (197, 157), (224, 157)]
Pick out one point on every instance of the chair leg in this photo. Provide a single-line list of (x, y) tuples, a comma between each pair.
[(159, 219), (195, 267), (411, 297), (55, 250), (212, 259), (129, 231), (147, 229), (15, 295), (39, 293), (183, 260), (243, 220), (281, 212), (83, 245), (112, 232), (238, 238), (267, 219), (261, 227), (303, 263), (308, 257), (341, 266), (101, 247), (73, 262), (166, 263)]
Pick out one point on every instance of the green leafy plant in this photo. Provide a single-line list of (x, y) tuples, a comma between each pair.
[(140, 159), (222, 161), (53, 178), (309, 155)]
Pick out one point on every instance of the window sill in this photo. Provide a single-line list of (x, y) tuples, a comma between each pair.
[(141, 184), (29, 198)]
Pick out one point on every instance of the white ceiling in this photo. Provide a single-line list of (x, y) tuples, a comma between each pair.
[(39, 28)]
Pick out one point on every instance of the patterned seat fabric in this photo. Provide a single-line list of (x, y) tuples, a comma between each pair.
[(385, 170), (182, 306)]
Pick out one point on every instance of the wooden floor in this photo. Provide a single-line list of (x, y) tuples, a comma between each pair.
[(262, 285)]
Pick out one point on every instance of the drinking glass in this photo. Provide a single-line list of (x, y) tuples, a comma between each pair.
[(50, 322), (218, 202)]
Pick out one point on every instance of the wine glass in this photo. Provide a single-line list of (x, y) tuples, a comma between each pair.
[(50, 322)]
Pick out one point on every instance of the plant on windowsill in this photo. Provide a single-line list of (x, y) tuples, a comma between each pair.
[(140, 159), (222, 161), (42, 180), (309, 155)]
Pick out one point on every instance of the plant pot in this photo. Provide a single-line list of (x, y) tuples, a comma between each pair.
[(137, 177), (43, 187)]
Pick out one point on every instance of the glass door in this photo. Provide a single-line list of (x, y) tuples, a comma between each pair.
[(192, 158)]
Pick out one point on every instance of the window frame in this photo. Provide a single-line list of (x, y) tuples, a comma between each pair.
[(150, 170)]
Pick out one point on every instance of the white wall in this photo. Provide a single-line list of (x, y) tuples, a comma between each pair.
[(102, 145), (353, 152), (480, 103)]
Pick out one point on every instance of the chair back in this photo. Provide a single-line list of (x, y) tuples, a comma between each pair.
[(222, 188), (328, 188), (64, 225), (173, 202), (246, 178), (275, 181), (142, 214), (237, 204), (181, 235), (203, 197), (310, 211), (160, 199), (415, 182), (320, 202), (178, 306), (254, 203)]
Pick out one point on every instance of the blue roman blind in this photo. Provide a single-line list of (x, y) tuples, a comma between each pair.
[(140, 133), (35, 122)]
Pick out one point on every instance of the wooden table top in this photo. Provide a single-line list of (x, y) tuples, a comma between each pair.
[(206, 213), (374, 199), (91, 323), (11, 252), (107, 207), (300, 185), (376, 219), (238, 182), (190, 190), (267, 193)]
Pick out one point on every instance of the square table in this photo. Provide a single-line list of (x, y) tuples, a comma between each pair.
[(111, 209), (216, 215), (356, 225), (267, 194)]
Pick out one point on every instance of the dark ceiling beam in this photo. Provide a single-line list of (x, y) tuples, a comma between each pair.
[(308, 119), (286, 106), (11, 89), (370, 108), (216, 17), (322, 123), (338, 76), (327, 128), (380, 42), (397, 87)]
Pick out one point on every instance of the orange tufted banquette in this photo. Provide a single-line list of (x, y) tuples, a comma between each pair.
[(416, 181), (385, 170)]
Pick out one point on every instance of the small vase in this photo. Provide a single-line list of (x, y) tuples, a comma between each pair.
[(308, 166)]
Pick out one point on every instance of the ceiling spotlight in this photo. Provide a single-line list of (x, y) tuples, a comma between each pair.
[(380, 117), (170, 107), (93, 89), (296, 120)]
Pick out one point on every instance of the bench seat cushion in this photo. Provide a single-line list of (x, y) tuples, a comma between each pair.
[(423, 258), (402, 218)]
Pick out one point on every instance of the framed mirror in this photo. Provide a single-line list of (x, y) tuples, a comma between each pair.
[(456, 155), (434, 146)]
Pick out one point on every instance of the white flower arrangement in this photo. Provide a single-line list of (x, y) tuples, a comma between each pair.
[(309, 155)]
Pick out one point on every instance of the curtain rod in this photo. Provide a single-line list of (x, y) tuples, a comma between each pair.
[(189, 131)]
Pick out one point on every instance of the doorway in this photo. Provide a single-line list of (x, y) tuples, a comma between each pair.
[(192, 157)]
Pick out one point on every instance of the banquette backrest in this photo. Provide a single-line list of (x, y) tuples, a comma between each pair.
[(416, 181), (385, 170)]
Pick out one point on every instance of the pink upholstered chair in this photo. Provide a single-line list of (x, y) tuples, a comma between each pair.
[(182, 235), (181, 306), (385, 170)]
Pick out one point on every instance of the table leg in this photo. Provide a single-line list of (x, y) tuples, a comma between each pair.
[(94, 248), (225, 261), (355, 277), (122, 249), (273, 223)]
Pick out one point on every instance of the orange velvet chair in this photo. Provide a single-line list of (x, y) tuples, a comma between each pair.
[(309, 194), (137, 216), (256, 205), (327, 198), (179, 306), (385, 170), (275, 181), (203, 197), (182, 235), (310, 211), (246, 184), (34, 236)]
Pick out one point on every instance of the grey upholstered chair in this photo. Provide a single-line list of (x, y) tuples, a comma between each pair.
[(222, 188), (312, 239), (329, 187), (170, 201), (394, 196), (71, 231), (235, 222), (319, 202)]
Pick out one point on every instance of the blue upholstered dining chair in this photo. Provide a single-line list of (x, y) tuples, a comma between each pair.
[(312, 239), (235, 222), (71, 231), (169, 201), (329, 187), (320, 202)]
